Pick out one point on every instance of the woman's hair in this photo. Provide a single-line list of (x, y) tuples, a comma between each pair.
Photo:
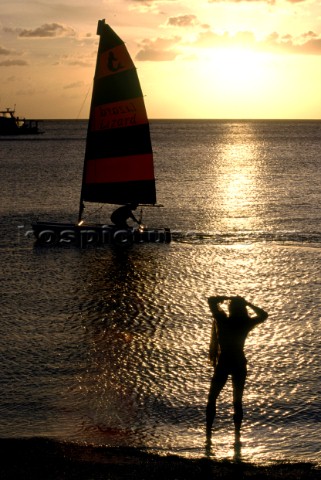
[(237, 307)]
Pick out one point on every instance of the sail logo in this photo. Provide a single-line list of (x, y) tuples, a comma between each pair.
[(119, 115), (114, 61), (121, 109)]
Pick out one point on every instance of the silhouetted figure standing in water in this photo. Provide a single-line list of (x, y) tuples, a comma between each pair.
[(120, 216), (229, 333)]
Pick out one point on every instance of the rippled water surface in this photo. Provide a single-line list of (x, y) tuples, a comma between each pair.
[(110, 346)]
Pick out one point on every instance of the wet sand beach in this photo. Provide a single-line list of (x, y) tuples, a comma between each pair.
[(49, 460)]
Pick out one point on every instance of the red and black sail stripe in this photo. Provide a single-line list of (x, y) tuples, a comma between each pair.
[(118, 160)]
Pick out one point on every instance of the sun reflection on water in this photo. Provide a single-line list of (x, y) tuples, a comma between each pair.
[(238, 169)]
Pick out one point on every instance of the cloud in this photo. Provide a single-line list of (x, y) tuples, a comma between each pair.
[(159, 49), (312, 47), (210, 39), (74, 85), (308, 43), (149, 6), (270, 2), (169, 48), (182, 21), (149, 3), (13, 63), (80, 63), (50, 30), (186, 21), (4, 51), (28, 92)]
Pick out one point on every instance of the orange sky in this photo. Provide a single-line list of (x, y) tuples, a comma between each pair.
[(195, 58)]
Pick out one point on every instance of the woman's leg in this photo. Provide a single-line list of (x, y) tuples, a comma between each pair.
[(238, 381), (218, 381)]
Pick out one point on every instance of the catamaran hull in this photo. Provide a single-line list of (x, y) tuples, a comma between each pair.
[(64, 234)]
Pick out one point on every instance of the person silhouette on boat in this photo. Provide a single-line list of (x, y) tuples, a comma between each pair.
[(120, 216), (229, 332)]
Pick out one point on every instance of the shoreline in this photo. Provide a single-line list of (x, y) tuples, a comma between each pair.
[(45, 459)]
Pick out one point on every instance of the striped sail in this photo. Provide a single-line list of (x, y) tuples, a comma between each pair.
[(118, 165)]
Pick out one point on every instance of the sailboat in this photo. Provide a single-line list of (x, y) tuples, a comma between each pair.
[(118, 165)]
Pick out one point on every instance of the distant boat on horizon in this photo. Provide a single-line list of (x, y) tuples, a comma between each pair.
[(10, 124)]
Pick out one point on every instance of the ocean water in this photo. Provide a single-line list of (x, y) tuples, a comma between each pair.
[(109, 346)]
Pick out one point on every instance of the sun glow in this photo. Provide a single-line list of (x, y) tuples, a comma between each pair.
[(236, 82), (241, 70), (242, 66)]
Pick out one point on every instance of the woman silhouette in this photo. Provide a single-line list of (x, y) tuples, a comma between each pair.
[(229, 333)]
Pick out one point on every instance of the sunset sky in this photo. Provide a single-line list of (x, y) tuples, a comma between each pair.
[(195, 58)]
